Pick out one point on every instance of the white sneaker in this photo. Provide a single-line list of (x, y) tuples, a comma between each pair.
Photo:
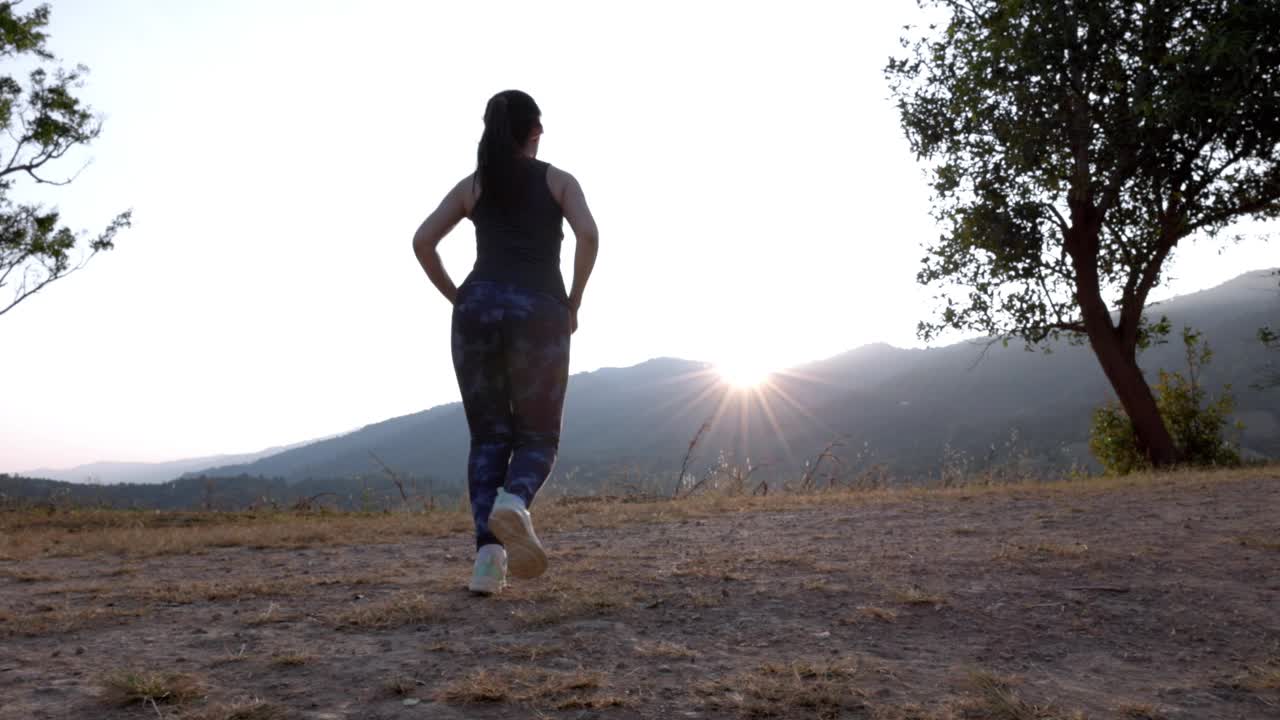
[(510, 521), (490, 573)]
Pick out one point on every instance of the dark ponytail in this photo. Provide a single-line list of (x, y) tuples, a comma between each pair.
[(509, 119)]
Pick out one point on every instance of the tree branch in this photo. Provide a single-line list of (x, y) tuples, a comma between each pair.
[(1132, 304), (36, 162), (58, 183), (1245, 208), (25, 292), (1062, 222), (1074, 327)]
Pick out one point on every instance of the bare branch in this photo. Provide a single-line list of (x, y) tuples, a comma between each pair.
[(36, 162), (806, 481), (59, 183), (395, 477), (986, 348), (25, 292)]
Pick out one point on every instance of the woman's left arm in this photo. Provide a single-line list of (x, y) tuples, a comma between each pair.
[(451, 211)]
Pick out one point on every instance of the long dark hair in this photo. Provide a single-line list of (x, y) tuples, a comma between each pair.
[(509, 119)]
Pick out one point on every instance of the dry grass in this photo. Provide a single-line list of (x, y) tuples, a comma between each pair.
[(28, 533), (127, 687), (96, 590), (1013, 552), (230, 657), (1063, 550), (870, 612), (824, 690), (574, 690), (705, 599), (243, 710), (918, 596), (22, 575), (1258, 541), (562, 602), (906, 712), (51, 620), (291, 659), (400, 609), (353, 580), (529, 652), (664, 649), (272, 614), (823, 585), (213, 591), (401, 685), (1140, 711), (995, 699), (1262, 677)]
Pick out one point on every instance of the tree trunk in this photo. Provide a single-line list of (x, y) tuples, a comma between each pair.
[(1119, 363), (1121, 368)]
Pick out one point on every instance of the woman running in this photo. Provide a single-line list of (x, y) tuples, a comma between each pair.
[(511, 324)]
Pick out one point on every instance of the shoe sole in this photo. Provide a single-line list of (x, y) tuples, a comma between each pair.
[(525, 556)]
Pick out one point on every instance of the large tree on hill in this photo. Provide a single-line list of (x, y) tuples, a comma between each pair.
[(42, 121), (1072, 145)]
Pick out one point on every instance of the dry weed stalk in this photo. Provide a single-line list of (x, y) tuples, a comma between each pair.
[(688, 456)]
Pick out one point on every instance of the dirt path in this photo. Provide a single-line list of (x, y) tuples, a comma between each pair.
[(1160, 601)]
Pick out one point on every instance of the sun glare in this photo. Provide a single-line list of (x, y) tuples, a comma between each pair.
[(742, 373)]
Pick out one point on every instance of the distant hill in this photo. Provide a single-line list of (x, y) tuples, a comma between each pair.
[(234, 493), (907, 409), (109, 473)]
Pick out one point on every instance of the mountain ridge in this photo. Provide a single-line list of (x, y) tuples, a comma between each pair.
[(902, 406), (908, 404)]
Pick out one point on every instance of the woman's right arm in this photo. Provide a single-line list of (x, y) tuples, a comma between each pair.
[(452, 209), (574, 205)]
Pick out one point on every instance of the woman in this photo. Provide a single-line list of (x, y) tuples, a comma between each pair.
[(511, 324)]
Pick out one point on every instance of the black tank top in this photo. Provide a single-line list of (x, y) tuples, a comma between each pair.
[(520, 244)]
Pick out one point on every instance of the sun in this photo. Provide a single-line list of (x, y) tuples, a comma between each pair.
[(743, 372)]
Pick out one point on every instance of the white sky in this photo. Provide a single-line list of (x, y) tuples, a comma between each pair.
[(755, 195)]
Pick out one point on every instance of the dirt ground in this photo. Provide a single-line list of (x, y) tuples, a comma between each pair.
[(1160, 600)]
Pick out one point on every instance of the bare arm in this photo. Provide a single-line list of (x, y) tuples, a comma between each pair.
[(451, 211), (574, 205)]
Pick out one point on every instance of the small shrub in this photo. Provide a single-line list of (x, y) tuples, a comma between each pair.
[(1198, 426), (126, 687)]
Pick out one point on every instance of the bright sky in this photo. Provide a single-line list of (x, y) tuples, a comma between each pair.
[(756, 199)]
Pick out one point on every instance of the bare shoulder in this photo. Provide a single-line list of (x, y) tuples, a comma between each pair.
[(465, 194), (560, 182)]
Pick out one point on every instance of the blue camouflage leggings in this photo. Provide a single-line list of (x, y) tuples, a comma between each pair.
[(511, 355)]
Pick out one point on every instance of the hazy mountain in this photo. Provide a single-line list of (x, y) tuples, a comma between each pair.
[(108, 473), (904, 408)]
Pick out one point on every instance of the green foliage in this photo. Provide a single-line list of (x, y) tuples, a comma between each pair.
[(42, 120), (1073, 145), (1198, 427)]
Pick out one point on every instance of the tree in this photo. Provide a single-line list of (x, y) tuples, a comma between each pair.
[(1072, 145), (1198, 425), (41, 121)]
